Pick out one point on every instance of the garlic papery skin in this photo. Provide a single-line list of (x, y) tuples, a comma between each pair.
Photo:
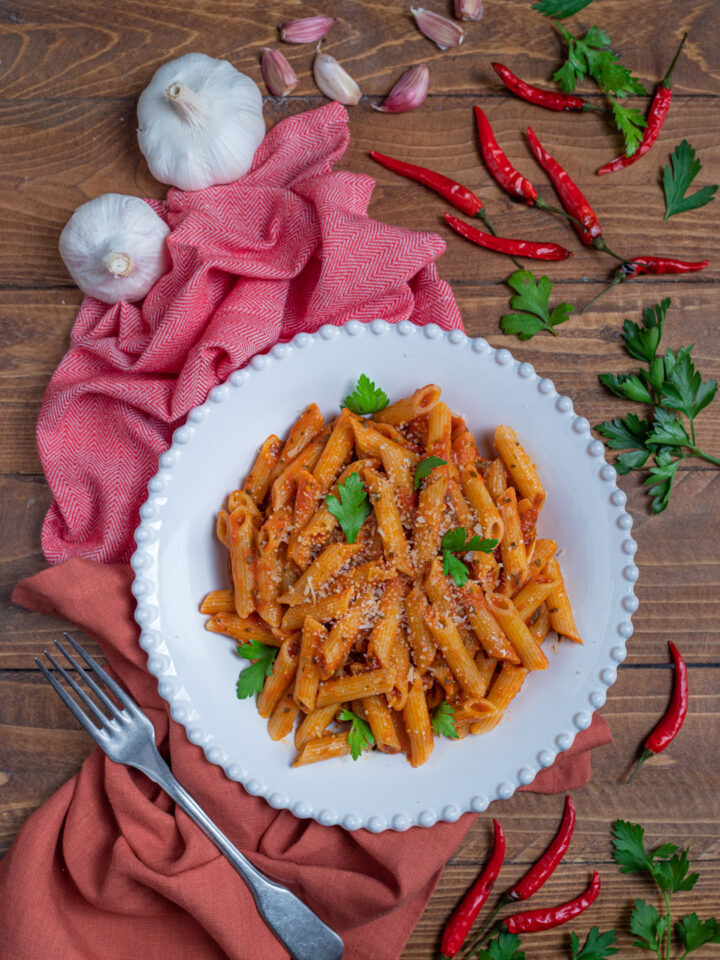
[(468, 9), (115, 247), (409, 92), (443, 32), (200, 122), (305, 30), (335, 83), (279, 76)]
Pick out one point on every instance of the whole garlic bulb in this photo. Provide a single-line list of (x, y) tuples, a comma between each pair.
[(114, 247), (200, 122)]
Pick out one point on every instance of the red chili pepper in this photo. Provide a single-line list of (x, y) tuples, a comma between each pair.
[(550, 99), (669, 727), (510, 179), (658, 265), (656, 118), (547, 917), (518, 248), (545, 866), (455, 193), (464, 916)]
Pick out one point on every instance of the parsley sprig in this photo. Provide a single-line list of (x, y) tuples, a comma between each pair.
[(252, 678), (597, 946), (669, 868), (443, 721), (560, 9), (352, 509), (454, 541), (684, 166), (591, 56), (675, 389), (533, 299), (360, 735), (366, 397), (425, 468)]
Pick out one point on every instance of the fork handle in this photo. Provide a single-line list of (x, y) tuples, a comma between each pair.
[(300, 930)]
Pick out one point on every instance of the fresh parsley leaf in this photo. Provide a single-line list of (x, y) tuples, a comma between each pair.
[(443, 722), (694, 932), (661, 476), (630, 387), (628, 847), (360, 734), (642, 342), (533, 297), (684, 166), (560, 8), (648, 926), (426, 466), (453, 541), (674, 874), (598, 946), (455, 568), (505, 947), (684, 389), (628, 434), (366, 397), (667, 430), (630, 122), (252, 678), (352, 509)]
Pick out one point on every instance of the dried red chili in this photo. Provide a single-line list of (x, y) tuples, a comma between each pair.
[(545, 918), (455, 193), (656, 118), (550, 99), (638, 266), (669, 727), (510, 179), (543, 869), (459, 924), (518, 248)]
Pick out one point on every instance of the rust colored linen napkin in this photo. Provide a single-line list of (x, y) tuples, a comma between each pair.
[(109, 869)]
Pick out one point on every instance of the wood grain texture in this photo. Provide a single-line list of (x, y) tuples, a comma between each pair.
[(71, 75)]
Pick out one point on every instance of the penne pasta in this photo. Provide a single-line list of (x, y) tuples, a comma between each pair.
[(535, 592), (542, 554), (487, 629), (343, 636), (364, 575), (515, 629), (268, 568), (315, 724), (528, 525), (416, 718), (244, 629), (486, 668), (444, 678), (398, 462), (283, 674), (512, 546), (218, 601), (308, 671), (430, 517), (323, 748), (439, 432), (472, 709), (320, 572), (258, 481), (282, 719), (241, 498), (392, 433), (336, 452), (342, 689), (383, 636), (497, 479), (305, 429), (478, 496), (558, 604), (506, 686), (285, 484), (400, 669), (330, 607), (379, 716), (519, 465), (421, 641), (407, 409), (242, 543), (456, 655), (390, 525), (539, 625)]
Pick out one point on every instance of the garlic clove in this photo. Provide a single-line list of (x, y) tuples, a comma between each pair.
[(409, 92), (335, 82), (114, 247), (279, 76), (468, 9), (306, 30), (440, 30)]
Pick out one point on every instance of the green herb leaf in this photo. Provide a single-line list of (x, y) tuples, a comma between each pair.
[(366, 398), (352, 509), (425, 468), (694, 932), (661, 476), (684, 166), (674, 874), (628, 847), (454, 541), (505, 947), (631, 123), (598, 946), (648, 926), (360, 735), (667, 430), (533, 297), (684, 389), (560, 8), (642, 342), (442, 721), (252, 678), (630, 387)]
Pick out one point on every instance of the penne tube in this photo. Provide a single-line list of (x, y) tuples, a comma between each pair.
[(512, 547), (218, 601), (485, 626), (398, 462), (407, 409), (343, 635), (445, 678), (241, 498), (368, 574), (519, 465), (453, 649), (379, 716), (421, 641), (399, 723), (336, 452), (331, 607), (430, 517), (472, 709), (244, 629), (478, 496), (382, 638), (282, 719), (528, 524), (515, 629), (268, 569), (506, 686), (543, 553), (439, 432), (486, 668), (382, 497), (320, 572), (323, 748), (392, 433), (497, 479), (558, 604), (305, 429), (285, 484), (307, 500), (464, 516), (343, 689), (458, 427), (242, 540), (539, 625), (417, 724), (283, 674), (258, 481), (437, 588), (400, 668), (315, 724), (308, 672), (534, 593), (484, 565), (221, 527)]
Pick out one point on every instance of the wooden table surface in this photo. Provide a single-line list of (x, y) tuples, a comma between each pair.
[(71, 75)]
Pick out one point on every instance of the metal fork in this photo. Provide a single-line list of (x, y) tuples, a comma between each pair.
[(127, 736)]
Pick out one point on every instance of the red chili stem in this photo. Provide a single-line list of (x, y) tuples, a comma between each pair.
[(669, 726), (549, 99), (544, 868), (616, 280), (455, 193), (529, 921), (519, 248), (458, 926), (486, 928), (510, 179)]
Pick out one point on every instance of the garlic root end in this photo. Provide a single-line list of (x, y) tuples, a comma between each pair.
[(118, 264)]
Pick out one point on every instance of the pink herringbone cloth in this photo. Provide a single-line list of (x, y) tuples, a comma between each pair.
[(285, 249)]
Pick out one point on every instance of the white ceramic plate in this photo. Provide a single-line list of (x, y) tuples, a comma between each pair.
[(178, 561)]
